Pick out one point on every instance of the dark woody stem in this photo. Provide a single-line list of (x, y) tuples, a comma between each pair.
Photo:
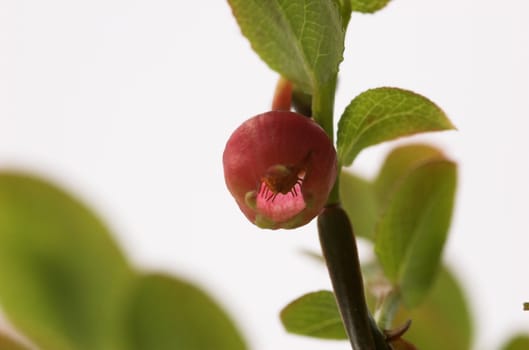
[(339, 245), (339, 250)]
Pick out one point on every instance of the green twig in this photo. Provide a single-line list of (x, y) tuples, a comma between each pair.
[(323, 106), (387, 310), (323, 113)]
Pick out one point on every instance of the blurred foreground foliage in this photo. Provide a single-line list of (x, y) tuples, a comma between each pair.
[(65, 284)]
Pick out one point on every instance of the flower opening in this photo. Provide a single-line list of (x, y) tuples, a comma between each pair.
[(280, 194), (280, 167)]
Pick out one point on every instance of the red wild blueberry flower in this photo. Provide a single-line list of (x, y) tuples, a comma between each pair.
[(280, 166)]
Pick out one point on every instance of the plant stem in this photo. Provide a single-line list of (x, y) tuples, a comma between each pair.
[(339, 245), (334, 196), (323, 112), (323, 106), (341, 255)]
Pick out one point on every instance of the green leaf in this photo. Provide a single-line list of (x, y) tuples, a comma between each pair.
[(385, 114), (398, 164), (314, 315), (372, 275), (302, 40), (345, 11), (359, 201), (368, 6), (519, 342), (413, 228), (364, 200), (166, 314), (61, 275), (7, 343), (443, 315)]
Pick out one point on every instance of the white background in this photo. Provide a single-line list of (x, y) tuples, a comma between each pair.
[(129, 104)]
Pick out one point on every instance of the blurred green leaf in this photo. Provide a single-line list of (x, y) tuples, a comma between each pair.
[(385, 114), (315, 315), (301, 40), (61, 275), (358, 200), (315, 256), (165, 313), (444, 315), (519, 342), (398, 164), (368, 6), (374, 280), (8, 343), (413, 228), (364, 200)]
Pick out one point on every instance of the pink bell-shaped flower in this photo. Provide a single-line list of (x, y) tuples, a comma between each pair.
[(280, 166)]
